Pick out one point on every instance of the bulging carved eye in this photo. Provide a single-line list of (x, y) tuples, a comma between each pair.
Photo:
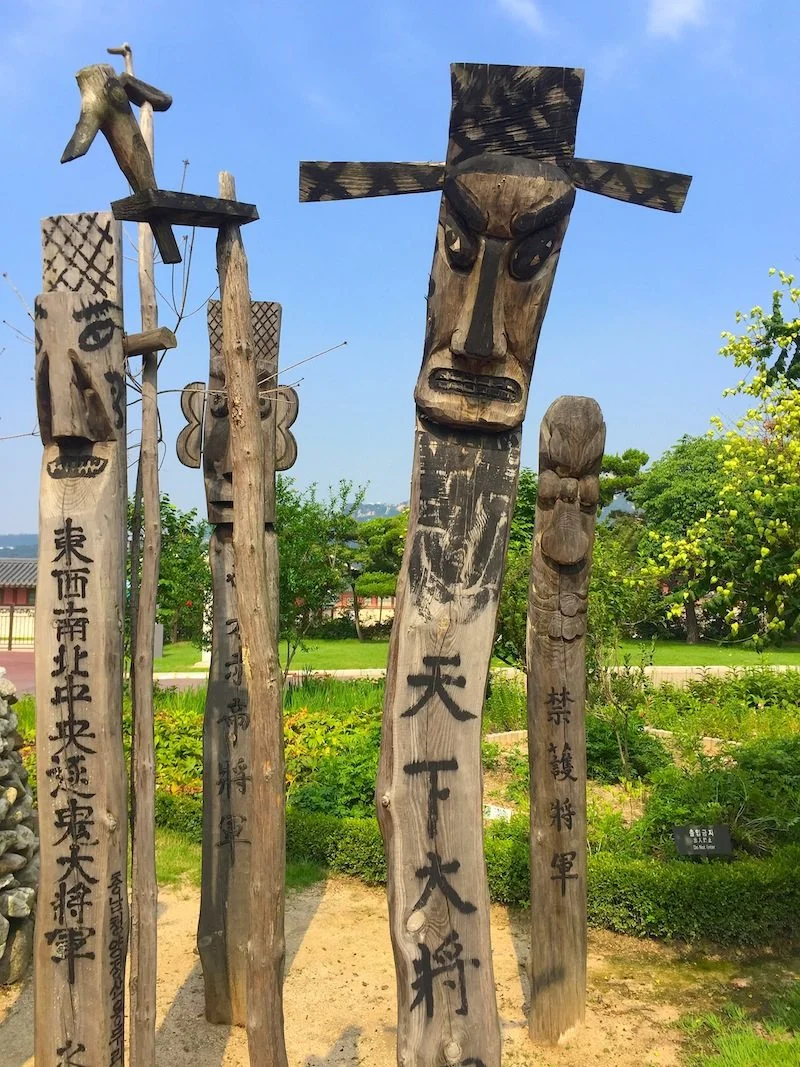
[(549, 487), (590, 491), (530, 252), (461, 246)]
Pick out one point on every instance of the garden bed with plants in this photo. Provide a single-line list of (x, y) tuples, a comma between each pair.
[(638, 790)]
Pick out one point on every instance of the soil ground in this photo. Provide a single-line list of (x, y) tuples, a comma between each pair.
[(340, 1001)]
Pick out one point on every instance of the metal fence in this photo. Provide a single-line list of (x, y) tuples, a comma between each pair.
[(16, 626)]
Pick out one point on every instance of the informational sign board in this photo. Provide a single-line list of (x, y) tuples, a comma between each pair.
[(702, 840)]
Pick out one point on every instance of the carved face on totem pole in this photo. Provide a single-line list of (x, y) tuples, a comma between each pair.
[(208, 429), (508, 184), (501, 227), (80, 392), (571, 447)]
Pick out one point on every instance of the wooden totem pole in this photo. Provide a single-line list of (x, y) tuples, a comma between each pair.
[(227, 749), (508, 184), (570, 454), (82, 915)]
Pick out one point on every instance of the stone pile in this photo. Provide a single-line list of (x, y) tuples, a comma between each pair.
[(19, 846)]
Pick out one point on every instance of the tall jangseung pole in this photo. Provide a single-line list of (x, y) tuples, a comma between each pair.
[(222, 932), (508, 185), (82, 915), (570, 455)]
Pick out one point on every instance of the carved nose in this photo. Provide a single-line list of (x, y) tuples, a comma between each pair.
[(480, 333)]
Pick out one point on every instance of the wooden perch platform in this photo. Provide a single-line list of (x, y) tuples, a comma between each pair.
[(157, 340), (182, 209)]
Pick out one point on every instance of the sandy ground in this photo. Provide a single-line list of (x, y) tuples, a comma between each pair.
[(340, 997)]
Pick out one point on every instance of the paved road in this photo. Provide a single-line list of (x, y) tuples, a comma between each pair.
[(19, 669)]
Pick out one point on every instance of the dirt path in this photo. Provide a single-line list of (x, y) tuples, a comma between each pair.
[(340, 999)]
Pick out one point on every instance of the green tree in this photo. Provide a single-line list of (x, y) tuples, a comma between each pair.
[(682, 486), (512, 611), (315, 542), (743, 555), (184, 577), (620, 474), (675, 493), (381, 542), (770, 344)]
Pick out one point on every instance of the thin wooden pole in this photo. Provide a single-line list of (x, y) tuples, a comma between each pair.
[(256, 559), (144, 888), (570, 454)]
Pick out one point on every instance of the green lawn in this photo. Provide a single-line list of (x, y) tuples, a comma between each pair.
[(182, 656), (321, 655), (178, 863), (679, 654)]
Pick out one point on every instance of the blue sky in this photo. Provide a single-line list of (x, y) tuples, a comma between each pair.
[(705, 87)]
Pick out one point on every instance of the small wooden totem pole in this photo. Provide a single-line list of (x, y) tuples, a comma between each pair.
[(508, 185), (570, 454), (227, 751), (82, 916)]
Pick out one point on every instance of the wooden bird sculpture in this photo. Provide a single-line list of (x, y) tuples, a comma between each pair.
[(106, 99)]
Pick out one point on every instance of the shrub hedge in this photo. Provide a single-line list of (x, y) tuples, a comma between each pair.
[(744, 902)]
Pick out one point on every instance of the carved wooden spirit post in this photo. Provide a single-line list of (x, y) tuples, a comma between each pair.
[(227, 750), (508, 185), (255, 552), (570, 454), (82, 916)]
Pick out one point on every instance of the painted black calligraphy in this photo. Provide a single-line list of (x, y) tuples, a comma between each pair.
[(444, 960), (558, 710), (67, 943), (562, 813), (561, 767), (433, 768), (562, 863), (435, 874), (233, 776), (436, 685)]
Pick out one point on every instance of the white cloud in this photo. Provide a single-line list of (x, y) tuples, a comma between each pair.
[(525, 12), (667, 18)]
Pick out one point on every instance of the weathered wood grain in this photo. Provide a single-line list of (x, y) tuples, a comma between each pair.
[(223, 928), (429, 789), (105, 107), (659, 189), (82, 912), (256, 560), (344, 181), (162, 206), (570, 455), (157, 339)]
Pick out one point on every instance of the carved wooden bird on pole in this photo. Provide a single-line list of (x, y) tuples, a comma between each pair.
[(106, 99)]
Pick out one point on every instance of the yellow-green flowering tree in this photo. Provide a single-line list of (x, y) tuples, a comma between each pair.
[(742, 559)]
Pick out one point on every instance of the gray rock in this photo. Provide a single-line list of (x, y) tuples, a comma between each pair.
[(8, 839), (5, 927), (29, 875), (17, 903), (11, 862), (6, 880), (18, 954)]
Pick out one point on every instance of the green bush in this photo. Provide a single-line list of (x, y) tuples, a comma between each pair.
[(742, 705), (340, 784), (754, 788), (505, 707), (746, 902), (609, 736)]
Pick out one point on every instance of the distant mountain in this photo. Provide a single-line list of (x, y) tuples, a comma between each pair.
[(19, 546), (380, 511)]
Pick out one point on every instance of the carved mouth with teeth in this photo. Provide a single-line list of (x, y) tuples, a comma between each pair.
[(479, 386), (76, 466)]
